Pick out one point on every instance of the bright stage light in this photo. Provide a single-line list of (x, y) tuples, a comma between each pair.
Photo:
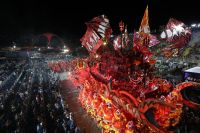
[(65, 50), (193, 25), (104, 43)]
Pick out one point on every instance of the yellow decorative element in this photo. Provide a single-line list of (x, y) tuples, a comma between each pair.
[(106, 99)]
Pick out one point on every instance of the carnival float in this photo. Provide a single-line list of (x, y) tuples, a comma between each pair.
[(120, 88)]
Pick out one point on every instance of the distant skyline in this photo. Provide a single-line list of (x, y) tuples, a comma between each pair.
[(67, 18)]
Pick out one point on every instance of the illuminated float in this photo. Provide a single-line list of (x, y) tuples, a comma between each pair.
[(177, 35), (118, 82)]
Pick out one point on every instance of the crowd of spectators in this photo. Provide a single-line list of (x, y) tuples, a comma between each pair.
[(33, 104), (9, 71)]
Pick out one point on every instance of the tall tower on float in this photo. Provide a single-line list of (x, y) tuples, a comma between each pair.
[(121, 28), (144, 26), (144, 32)]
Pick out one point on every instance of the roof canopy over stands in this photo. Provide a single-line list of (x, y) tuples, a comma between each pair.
[(193, 70)]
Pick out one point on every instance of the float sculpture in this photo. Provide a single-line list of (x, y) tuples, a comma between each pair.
[(119, 86), (177, 35)]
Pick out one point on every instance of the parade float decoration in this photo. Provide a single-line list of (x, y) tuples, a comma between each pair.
[(119, 86), (177, 35)]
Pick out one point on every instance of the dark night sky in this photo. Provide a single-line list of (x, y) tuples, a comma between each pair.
[(67, 18)]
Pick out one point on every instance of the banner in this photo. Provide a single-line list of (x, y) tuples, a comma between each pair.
[(98, 29)]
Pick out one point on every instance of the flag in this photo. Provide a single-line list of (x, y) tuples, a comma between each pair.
[(91, 40), (101, 25), (144, 26), (98, 29)]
